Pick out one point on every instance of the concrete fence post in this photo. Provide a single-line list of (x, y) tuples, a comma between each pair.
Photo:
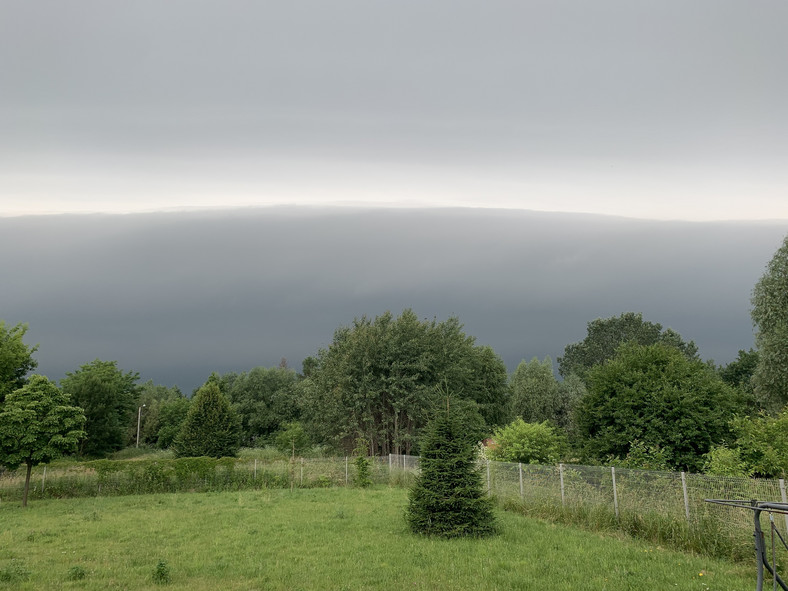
[(686, 496), (615, 492), (561, 476), (520, 470)]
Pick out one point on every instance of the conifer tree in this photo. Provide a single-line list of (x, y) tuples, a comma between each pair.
[(211, 427), (448, 498)]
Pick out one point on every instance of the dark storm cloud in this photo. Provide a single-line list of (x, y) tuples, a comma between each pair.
[(176, 296)]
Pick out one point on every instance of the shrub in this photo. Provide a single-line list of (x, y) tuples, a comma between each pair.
[(724, 461), (529, 443)]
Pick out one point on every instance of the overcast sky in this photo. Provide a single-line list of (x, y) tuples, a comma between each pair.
[(657, 109)]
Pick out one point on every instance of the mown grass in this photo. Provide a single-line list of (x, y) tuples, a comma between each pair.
[(318, 539)]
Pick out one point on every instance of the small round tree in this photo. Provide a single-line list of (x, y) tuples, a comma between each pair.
[(38, 424), (211, 427), (448, 498)]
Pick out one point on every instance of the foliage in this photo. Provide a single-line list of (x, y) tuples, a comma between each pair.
[(380, 378), (770, 317), (161, 574), (292, 439), (644, 457), (762, 444), (171, 416), (152, 398), (16, 358), (605, 336), (570, 392), (447, 498), (264, 399), (38, 424), (529, 443), (655, 395), (362, 478), (537, 396), (726, 461), (108, 396), (211, 427)]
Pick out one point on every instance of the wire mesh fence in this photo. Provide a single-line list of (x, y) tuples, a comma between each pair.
[(665, 507)]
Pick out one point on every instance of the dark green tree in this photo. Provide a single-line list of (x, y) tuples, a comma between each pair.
[(380, 377), (16, 358), (606, 335), (172, 415), (448, 498), (654, 395), (211, 427), (264, 398), (109, 398), (770, 317), (535, 392), (38, 424), (151, 399)]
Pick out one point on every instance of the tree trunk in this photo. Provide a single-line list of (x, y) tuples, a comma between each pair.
[(27, 483)]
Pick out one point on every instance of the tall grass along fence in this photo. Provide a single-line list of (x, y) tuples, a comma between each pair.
[(664, 507), (143, 476)]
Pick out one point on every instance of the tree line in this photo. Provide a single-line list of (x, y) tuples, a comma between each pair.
[(630, 392)]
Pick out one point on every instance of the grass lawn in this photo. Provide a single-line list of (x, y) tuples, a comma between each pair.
[(319, 539)]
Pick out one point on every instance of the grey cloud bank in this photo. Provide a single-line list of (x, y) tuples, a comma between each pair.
[(178, 295)]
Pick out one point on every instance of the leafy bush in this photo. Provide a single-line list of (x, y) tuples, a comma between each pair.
[(529, 443), (645, 457), (762, 443), (292, 439), (724, 461)]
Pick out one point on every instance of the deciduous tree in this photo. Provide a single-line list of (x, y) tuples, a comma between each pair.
[(108, 396), (16, 358), (656, 396), (380, 377), (770, 316), (606, 335), (38, 423)]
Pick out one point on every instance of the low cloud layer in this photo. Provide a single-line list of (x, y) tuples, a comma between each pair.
[(175, 296)]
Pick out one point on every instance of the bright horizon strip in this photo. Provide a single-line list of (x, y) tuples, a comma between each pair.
[(18, 208)]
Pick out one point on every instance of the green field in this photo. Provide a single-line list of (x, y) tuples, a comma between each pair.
[(318, 539)]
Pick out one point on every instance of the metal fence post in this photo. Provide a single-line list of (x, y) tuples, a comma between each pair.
[(561, 476), (615, 492), (44, 479), (489, 488), (389, 464), (782, 495), (686, 496), (520, 470), (346, 474)]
